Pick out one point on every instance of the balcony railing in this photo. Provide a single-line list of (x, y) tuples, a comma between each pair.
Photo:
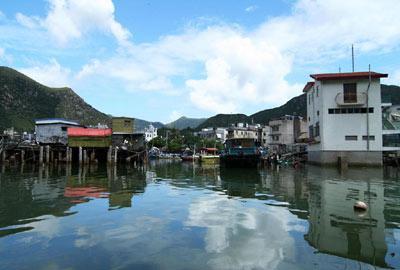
[(351, 100)]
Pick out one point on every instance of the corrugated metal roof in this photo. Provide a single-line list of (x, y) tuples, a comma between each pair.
[(89, 132), (347, 75), (50, 121)]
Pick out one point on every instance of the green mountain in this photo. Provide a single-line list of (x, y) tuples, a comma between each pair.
[(22, 100), (295, 106), (185, 122)]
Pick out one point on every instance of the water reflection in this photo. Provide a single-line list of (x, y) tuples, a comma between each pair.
[(159, 216)]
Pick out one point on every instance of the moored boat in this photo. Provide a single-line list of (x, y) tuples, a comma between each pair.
[(189, 155), (209, 155), (240, 153)]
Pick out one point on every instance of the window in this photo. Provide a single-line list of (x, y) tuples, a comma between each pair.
[(126, 123), (311, 131), (309, 119), (64, 128), (316, 132), (318, 113), (275, 138), (351, 138), (350, 93), (275, 128), (317, 91), (371, 138), (350, 110)]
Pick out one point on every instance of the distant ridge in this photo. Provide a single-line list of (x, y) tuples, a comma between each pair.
[(185, 122)]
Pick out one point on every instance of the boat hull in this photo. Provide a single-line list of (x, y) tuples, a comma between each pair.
[(240, 160)]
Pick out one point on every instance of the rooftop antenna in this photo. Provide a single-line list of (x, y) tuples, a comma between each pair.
[(352, 57)]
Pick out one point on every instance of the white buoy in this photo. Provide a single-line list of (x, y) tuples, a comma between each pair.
[(359, 205)]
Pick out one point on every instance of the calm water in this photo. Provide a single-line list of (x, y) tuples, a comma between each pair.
[(180, 216)]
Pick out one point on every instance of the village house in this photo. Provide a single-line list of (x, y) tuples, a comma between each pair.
[(286, 131), (219, 133), (124, 135), (345, 118), (53, 130)]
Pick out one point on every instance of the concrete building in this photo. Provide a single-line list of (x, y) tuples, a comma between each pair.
[(390, 127), (219, 134), (345, 118), (53, 131), (243, 131), (285, 131), (150, 133), (265, 136)]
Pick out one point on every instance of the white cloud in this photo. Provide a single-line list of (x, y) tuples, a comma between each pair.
[(68, 20), (29, 22), (227, 69), (51, 74), (251, 8), (394, 78), (224, 68)]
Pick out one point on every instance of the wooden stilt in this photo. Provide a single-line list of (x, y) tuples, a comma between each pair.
[(47, 154), (22, 156), (109, 154), (80, 155), (41, 155), (115, 155)]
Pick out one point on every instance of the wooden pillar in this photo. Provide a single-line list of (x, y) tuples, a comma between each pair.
[(115, 155), (93, 155), (67, 155), (51, 156), (109, 154), (22, 156), (84, 156), (41, 154), (3, 156), (59, 156), (70, 154), (47, 154), (80, 154)]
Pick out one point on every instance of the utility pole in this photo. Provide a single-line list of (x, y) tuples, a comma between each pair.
[(352, 57)]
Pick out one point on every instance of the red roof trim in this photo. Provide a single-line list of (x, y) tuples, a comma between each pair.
[(348, 75), (308, 86), (89, 132)]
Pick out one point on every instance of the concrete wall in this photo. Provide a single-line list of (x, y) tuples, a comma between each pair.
[(358, 158), (52, 134)]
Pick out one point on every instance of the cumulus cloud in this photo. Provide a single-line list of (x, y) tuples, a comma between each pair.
[(51, 74), (68, 20), (223, 68), (251, 8)]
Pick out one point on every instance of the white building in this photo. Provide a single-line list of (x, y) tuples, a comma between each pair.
[(285, 131), (219, 134), (345, 117), (265, 134), (150, 133)]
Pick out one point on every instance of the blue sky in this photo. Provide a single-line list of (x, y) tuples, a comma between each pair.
[(158, 60)]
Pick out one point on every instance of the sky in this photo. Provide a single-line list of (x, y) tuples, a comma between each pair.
[(159, 60)]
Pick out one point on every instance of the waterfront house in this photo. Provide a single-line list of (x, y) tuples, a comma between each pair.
[(345, 117), (125, 136), (53, 130), (286, 131)]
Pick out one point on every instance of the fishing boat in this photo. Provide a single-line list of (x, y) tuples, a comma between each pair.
[(241, 152), (209, 155), (189, 155)]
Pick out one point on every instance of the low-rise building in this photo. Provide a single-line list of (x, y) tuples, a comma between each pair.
[(345, 117), (219, 133), (243, 131), (89, 137), (285, 131), (53, 130)]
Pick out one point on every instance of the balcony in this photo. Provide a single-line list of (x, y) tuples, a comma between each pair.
[(358, 99)]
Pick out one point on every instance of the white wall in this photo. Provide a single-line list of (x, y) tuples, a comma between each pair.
[(334, 127)]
